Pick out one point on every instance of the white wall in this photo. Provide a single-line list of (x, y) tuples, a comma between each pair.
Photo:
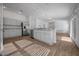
[(0, 21), (32, 22), (12, 18), (1, 29), (41, 23), (75, 31), (62, 26), (13, 15), (75, 27)]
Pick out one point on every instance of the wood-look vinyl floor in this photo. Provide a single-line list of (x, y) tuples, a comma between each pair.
[(64, 46)]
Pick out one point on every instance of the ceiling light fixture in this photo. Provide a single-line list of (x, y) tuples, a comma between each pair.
[(20, 12), (4, 6)]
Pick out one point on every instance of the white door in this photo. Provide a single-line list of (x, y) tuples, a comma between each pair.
[(73, 28)]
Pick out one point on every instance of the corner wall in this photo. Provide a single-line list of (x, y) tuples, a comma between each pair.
[(1, 29), (12, 23), (62, 26), (75, 26)]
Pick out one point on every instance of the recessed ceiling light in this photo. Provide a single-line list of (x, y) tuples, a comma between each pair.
[(20, 12), (4, 6)]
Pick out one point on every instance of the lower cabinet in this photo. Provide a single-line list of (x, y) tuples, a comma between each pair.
[(48, 37)]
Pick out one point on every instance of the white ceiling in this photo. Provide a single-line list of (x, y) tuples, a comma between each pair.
[(43, 10)]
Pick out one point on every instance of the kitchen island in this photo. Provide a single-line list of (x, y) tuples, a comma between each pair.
[(45, 35)]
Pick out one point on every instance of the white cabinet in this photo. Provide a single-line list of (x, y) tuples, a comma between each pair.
[(47, 36)]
